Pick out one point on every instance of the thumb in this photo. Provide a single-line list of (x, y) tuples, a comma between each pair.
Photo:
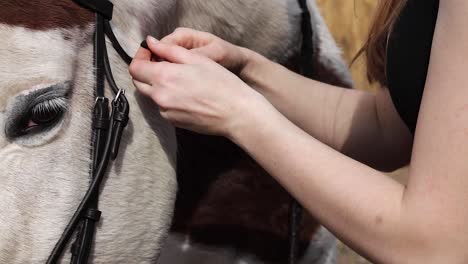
[(173, 53), (208, 52), (142, 54)]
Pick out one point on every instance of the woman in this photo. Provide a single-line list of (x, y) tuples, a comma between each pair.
[(327, 145)]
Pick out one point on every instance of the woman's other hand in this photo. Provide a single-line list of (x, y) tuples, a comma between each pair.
[(232, 57), (193, 91)]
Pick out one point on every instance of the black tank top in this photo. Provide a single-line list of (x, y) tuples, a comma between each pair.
[(409, 48)]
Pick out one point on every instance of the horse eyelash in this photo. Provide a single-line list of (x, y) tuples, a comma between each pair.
[(56, 105)]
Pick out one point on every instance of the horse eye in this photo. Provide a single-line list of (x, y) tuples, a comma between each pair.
[(45, 113)]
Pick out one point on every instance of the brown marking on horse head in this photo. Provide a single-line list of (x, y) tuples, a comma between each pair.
[(44, 14)]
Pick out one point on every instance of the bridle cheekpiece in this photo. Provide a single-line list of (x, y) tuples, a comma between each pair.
[(108, 127)]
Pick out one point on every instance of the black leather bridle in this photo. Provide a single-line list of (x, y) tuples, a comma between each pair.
[(108, 128), (107, 134)]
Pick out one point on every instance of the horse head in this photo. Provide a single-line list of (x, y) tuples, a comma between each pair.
[(46, 101)]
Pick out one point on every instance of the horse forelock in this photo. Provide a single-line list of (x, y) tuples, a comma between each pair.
[(44, 14)]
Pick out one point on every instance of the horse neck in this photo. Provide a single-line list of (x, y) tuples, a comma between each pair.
[(136, 19)]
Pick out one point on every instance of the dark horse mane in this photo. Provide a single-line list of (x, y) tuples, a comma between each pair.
[(44, 14)]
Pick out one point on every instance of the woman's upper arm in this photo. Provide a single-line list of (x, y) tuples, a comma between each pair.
[(438, 186)]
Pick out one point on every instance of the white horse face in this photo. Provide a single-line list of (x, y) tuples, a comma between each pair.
[(46, 99)]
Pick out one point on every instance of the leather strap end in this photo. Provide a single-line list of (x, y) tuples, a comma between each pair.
[(144, 45)]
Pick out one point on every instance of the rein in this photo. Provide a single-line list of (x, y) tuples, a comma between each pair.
[(108, 129)]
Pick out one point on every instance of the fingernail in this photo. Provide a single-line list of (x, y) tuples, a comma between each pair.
[(153, 40)]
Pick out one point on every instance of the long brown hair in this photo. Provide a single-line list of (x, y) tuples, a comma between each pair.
[(375, 48)]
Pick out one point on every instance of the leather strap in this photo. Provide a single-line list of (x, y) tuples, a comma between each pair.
[(107, 133), (104, 8)]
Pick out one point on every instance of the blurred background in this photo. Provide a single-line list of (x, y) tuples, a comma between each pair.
[(349, 22)]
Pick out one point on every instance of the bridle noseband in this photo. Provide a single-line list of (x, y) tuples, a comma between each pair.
[(107, 133), (108, 127)]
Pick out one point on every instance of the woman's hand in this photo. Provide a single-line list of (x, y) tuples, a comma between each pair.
[(230, 56), (193, 92)]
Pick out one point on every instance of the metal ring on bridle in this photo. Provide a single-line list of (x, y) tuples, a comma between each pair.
[(120, 93)]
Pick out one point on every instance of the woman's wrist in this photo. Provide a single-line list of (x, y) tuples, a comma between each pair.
[(259, 73), (252, 62), (253, 114)]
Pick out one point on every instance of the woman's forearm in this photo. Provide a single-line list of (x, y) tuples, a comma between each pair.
[(360, 131), (359, 204)]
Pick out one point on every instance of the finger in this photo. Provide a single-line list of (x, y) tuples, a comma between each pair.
[(143, 88), (182, 39), (208, 52), (156, 94), (173, 53), (188, 38), (147, 71), (142, 54), (177, 118), (142, 71)]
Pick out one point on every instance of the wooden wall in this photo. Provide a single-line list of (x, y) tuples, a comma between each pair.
[(349, 21)]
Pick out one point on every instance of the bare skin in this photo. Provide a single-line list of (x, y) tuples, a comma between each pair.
[(299, 131)]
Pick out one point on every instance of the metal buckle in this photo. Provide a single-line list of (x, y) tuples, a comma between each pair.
[(99, 98), (120, 93)]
